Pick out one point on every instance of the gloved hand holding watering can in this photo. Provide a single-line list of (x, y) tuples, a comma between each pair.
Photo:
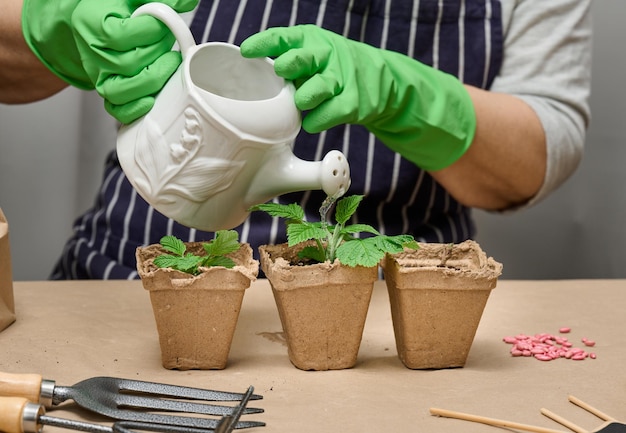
[(96, 44), (207, 132), (424, 114)]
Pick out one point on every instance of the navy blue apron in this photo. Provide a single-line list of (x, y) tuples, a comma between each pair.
[(461, 37)]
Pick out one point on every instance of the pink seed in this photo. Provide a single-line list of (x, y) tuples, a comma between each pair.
[(546, 347), (523, 346), (541, 357)]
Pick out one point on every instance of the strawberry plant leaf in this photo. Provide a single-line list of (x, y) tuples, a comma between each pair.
[(290, 212), (298, 233), (407, 241), (166, 261), (225, 241), (173, 245), (346, 208), (337, 240), (394, 244), (226, 262), (188, 263), (360, 228), (313, 253), (360, 252)]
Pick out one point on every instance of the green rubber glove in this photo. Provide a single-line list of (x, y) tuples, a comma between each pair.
[(95, 44), (424, 114)]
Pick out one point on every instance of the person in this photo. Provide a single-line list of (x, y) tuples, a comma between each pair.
[(440, 107), (23, 78)]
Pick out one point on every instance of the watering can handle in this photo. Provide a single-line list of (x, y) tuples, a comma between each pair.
[(172, 20)]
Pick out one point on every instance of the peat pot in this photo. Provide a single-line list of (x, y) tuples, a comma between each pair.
[(196, 316), (322, 307), (437, 295)]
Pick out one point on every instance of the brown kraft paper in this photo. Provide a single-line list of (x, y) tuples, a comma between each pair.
[(7, 306)]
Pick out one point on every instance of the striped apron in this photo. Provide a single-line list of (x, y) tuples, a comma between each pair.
[(461, 37)]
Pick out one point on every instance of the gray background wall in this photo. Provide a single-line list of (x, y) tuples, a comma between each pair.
[(51, 156)]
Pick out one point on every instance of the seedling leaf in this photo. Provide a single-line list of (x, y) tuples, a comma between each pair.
[(360, 252), (226, 262), (337, 241), (290, 212), (298, 233), (360, 228), (346, 208), (173, 245), (313, 253), (224, 242), (188, 263), (393, 244)]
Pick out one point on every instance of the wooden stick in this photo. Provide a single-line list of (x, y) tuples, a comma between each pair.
[(570, 425), (590, 409), (490, 421)]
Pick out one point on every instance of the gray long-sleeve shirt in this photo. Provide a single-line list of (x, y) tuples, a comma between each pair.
[(547, 63)]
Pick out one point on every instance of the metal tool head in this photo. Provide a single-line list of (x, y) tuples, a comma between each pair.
[(133, 400), (229, 422)]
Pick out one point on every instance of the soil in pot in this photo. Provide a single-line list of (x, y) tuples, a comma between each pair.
[(322, 307), (437, 295), (196, 316)]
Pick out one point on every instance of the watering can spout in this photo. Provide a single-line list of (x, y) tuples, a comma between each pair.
[(285, 173)]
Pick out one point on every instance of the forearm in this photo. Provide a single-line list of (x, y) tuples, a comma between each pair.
[(506, 163), (23, 78)]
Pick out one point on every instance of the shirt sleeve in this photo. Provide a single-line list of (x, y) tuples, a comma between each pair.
[(547, 63)]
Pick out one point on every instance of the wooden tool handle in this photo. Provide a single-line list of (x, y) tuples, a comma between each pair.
[(590, 409), (21, 385), (557, 418), (12, 418), (490, 421)]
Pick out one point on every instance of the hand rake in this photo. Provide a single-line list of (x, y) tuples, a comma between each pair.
[(124, 399), (610, 426), (18, 415)]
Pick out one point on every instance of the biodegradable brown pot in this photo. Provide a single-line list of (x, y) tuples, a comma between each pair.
[(196, 316), (322, 307), (437, 295)]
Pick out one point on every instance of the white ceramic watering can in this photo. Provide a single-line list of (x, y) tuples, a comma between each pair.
[(218, 139)]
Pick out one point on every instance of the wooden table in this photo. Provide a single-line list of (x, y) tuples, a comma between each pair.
[(69, 331)]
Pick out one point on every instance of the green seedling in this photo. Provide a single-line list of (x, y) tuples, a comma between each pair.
[(337, 241), (224, 242)]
